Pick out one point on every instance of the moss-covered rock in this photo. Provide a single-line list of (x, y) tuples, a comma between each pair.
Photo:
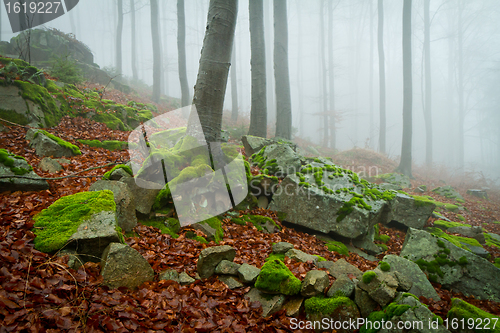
[(262, 223), (109, 145), (47, 144), (472, 316), (336, 309), (13, 165), (448, 192), (338, 247), (276, 278), (124, 167)]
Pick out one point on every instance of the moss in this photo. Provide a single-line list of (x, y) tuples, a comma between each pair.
[(497, 262), (55, 225), (120, 234), (463, 310), (215, 223), (257, 220), (109, 145), (490, 241), (390, 311), (275, 277), (327, 305), (320, 258), (410, 295), (383, 247), (368, 276), (162, 198), (110, 120), (39, 95), (455, 240), (338, 247), (74, 149), (440, 243), (275, 256), (462, 261), (193, 236), (384, 266), (348, 207), (446, 225), (14, 117), (7, 159), (116, 167)]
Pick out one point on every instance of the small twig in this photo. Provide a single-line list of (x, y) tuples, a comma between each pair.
[(1, 119), (104, 89)]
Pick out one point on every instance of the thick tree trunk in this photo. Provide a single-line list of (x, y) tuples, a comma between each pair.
[(331, 94), (234, 87), (119, 30), (215, 60), (300, 73), (381, 67), (405, 163), (181, 47), (282, 79), (133, 51), (155, 32), (258, 115), (271, 104), (428, 88)]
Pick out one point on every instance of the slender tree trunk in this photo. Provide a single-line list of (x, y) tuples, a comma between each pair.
[(300, 75), (372, 116), (234, 87), (258, 115), (133, 51), (271, 103), (405, 163), (215, 60), (282, 79), (381, 66), (331, 72), (461, 108), (323, 73), (164, 52), (451, 139), (428, 88), (155, 32), (181, 47), (119, 31)]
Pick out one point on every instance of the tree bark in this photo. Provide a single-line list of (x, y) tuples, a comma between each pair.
[(381, 67), (215, 60), (258, 113), (119, 31), (234, 87), (405, 163), (461, 109), (271, 104), (428, 87), (331, 81), (155, 32), (372, 116), (300, 73), (133, 50), (323, 73), (282, 79), (181, 48)]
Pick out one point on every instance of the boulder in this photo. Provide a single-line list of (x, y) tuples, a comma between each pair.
[(48, 164), (12, 165), (227, 267), (248, 273), (293, 306), (301, 256), (389, 186), (364, 302), (382, 289), (254, 144), (123, 266), (144, 198), (48, 146), (329, 311), (460, 270), (20, 111), (314, 283), (124, 200), (341, 267), (169, 274), (408, 211), (205, 229), (119, 174), (461, 311), (211, 256), (396, 179), (230, 282), (478, 193), (185, 279), (270, 304), (262, 185), (343, 286), (279, 158), (448, 192), (281, 247)]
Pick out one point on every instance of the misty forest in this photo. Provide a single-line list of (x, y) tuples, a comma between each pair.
[(250, 166)]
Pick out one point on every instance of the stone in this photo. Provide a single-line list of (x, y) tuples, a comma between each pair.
[(287, 160), (476, 276), (247, 273), (206, 229), (253, 144), (119, 174), (24, 111), (448, 192), (74, 260), (379, 289), (281, 247), (341, 267), (17, 183), (340, 310), (227, 267), (45, 146), (478, 193), (144, 198), (293, 306), (477, 250), (389, 186), (210, 257), (364, 302), (185, 279), (396, 179), (404, 282), (94, 235), (230, 282), (169, 274), (124, 200), (49, 165), (343, 286), (301, 256), (123, 266), (420, 285), (262, 185), (262, 202), (314, 283), (409, 212), (270, 304), (461, 311)]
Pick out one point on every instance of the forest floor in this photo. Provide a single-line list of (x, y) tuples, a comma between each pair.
[(39, 293)]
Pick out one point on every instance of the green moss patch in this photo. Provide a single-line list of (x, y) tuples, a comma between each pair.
[(384, 266), (326, 305), (369, 276), (119, 166), (275, 256), (165, 227), (455, 240), (7, 159), (216, 224), (55, 225), (275, 277), (446, 225), (390, 311), (74, 149), (109, 145), (481, 320), (257, 220), (338, 247)]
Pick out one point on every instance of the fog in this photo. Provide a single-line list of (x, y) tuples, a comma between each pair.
[(355, 68)]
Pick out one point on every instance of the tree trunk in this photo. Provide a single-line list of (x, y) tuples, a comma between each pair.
[(234, 87), (372, 116), (333, 139), (133, 51), (323, 73), (405, 163), (299, 73), (381, 67), (428, 88), (461, 109), (119, 31), (181, 48), (215, 60), (164, 27), (271, 104), (155, 32), (258, 114), (282, 79)]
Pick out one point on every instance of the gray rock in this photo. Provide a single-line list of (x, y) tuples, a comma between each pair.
[(248, 273), (477, 250), (262, 185), (49, 165), (448, 192), (293, 306), (409, 212), (287, 160), (270, 304), (477, 277), (494, 236), (381, 289), (124, 200), (230, 282), (314, 283), (343, 286), (206, 229), (185, 279), (45, 146), (364, 302), (301, 256), (254, 144), (340, 267), (281, 247), (11, 99), (420, 284), (404, 282), (74, 260), (440, 217), (361, 253), (227, 267), (169, 274), (20, 184), (262, 202), (396, 179), (123, 266), (389, 186), (119, 174), (144, 198), (94, 235), (348, 312), (211, 256), (478, 193)]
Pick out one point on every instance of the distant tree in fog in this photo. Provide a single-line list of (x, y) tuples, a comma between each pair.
[(181, 49), (234, 87), (119, 31), (428, 99), (155, 33), (133, 50), (381, 67)]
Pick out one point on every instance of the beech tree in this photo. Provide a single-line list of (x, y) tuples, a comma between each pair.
[(234, 87), (133, 50), (428, 87), (381, 69), (155, 33), (119, 31), (181, 49)]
